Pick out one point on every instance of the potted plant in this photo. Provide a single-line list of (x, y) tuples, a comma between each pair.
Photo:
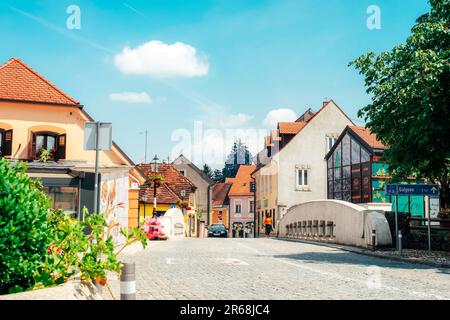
[(45, 155), (183, 204), (445, 214), (156, 179)]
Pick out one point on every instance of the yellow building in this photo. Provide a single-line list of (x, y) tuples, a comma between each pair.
[(35, 116)]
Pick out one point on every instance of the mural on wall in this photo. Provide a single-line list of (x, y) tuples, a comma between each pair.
[(114, 201)]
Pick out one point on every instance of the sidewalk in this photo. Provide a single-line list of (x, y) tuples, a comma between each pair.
[(437, 259), (125, 256)]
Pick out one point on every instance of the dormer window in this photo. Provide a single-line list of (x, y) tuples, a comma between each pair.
[(49, 141)]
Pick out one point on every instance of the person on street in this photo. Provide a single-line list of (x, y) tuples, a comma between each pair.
[(268, 224)]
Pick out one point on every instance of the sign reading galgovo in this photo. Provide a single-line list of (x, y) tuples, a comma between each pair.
[(412, 190)]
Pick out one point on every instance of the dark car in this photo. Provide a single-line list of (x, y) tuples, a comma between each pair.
[(217, 230)]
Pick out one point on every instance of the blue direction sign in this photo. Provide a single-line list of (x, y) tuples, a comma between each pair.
[(412, 190)]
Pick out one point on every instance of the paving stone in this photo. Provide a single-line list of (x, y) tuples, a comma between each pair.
[(271, 269)]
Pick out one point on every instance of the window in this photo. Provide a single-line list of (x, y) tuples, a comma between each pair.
[(251, 206), (183, 173), (63, 198), (50, 141), (5, 142), (238, 207), (302, 177), (330, 143), (252, 187)]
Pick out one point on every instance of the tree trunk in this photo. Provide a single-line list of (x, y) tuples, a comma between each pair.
[(445, 193)]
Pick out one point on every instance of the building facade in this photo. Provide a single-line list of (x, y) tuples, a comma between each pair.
[(175, 190), (296, 171), (242, 203), (200, 180), (355, 172), (221, 204), (37, 119)]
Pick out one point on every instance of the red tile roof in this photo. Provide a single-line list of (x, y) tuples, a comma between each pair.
[(172, 185), (163, 194), (220, 193), (241, 184), (291, 127), (367, 136), (20, 82)]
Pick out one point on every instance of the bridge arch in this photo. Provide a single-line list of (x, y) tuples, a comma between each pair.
[(335, 221)]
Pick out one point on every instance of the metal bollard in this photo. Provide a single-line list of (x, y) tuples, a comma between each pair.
[(400, 244), (374, 238), (128, 282)]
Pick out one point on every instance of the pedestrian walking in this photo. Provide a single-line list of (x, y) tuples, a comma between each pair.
[(268, 224)]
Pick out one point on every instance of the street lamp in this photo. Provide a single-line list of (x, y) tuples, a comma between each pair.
[(155, 168)]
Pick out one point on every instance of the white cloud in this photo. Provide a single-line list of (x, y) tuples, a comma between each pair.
[(131, 97), (158, 59), (279, 115), (236, 120)]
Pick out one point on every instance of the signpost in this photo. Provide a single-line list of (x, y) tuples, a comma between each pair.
[(97, 136), (428, 190)]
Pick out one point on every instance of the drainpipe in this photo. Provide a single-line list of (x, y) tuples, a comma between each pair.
[(254, 212), (210, 186)]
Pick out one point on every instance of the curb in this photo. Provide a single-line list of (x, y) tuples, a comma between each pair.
[(368, 253)]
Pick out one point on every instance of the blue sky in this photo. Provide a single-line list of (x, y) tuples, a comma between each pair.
[(250, 57)]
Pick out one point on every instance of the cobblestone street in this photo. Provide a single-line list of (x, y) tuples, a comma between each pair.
[(271, 269)]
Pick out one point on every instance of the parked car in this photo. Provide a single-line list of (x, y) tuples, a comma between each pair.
[(217, 230)]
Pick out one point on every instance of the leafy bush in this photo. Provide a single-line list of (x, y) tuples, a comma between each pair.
[(444, 214), (82, 246), (24, 231)]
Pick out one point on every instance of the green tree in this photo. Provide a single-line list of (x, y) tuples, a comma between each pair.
[(239, 155), (217, 176), (207, 170), (410, 107), (24, 229)]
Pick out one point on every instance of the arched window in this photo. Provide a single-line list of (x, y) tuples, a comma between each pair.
[(50, 141), (5, 142)]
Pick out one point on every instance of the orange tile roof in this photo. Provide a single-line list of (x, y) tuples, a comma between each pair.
[(229, 180), (291, 127), (366, 135), (173, 182), (241, 184), (220, 193), (20, 82)]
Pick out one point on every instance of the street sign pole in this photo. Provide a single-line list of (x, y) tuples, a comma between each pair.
[(426, 190), (97, 130), (97, 136), (396, 222), (429, 223)]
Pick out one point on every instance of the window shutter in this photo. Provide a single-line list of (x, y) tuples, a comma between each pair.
[(32, 149), (8, 143), (61, 147)]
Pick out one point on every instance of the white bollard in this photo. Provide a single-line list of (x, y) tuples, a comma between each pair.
[(128, 282)]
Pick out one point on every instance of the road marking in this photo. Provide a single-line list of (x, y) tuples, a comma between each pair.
[(232, 261), (175, 261)]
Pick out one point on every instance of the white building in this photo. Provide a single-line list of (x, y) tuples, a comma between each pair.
[(296, 171)]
